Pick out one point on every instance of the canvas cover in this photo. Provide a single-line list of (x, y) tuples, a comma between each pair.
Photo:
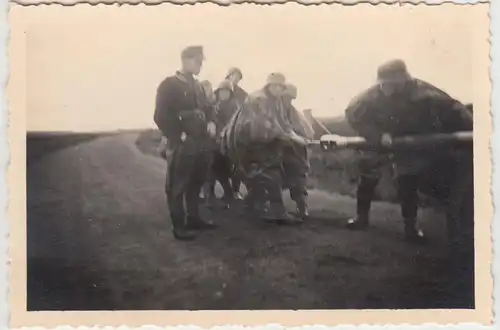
[(263, 119)]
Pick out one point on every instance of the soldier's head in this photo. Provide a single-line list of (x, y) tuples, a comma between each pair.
[(224, 91), (234, 75), (290, 93), (275, 84), (192, 59), (393, 77)]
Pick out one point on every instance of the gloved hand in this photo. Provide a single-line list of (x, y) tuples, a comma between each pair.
[(297, 138)]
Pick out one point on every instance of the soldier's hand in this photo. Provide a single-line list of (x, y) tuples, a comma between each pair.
[(386, 140), (211, 129), (183, 136), (297, 138)]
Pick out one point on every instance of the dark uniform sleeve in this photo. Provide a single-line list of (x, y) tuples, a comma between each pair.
[(457, 118), (361, 116), (449, 114), (166, 115), (210, 113)]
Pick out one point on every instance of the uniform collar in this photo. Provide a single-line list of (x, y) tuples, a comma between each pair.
[(187, 78)]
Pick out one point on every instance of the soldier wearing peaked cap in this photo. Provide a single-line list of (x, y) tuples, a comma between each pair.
[(185, 117), (401, 105)]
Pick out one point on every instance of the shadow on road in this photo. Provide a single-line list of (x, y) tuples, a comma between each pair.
[(99, 239)]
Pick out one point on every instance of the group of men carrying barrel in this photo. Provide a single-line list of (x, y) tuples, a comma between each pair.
[(261, 139)]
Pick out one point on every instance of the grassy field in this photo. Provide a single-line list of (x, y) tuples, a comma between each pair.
[(99, 238)]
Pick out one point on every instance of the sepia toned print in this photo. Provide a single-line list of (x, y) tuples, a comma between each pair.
[(186, 163)]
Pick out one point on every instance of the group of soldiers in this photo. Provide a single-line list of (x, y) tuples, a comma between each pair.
[(229, 136), (261, 139)]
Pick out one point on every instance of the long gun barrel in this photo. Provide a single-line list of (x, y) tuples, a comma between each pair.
[(333, 142)]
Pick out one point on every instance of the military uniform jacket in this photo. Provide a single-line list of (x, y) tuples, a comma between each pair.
[(240, 96), (177, 99), (420, 109)]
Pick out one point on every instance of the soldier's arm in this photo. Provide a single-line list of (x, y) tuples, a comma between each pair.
[(299, 124), (208, 109), (166, 114), (448, 114), (451, 115), (360, 116)]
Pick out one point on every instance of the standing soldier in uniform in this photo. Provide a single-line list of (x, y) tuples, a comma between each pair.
[(185, 119), (295, 157), (222, 166), (401, 105), (239, 96)]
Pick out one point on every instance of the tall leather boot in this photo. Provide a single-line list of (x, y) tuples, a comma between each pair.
[(412, 233), (362, 220), (180, 231), (364, 197)]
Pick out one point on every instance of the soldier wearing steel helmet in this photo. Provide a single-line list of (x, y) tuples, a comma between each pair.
[(234, 76), (185, 118), (222, 166), (262, 132), (295, 156), (401, 105)]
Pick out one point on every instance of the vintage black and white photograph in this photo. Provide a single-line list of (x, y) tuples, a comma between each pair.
[(251, 157)]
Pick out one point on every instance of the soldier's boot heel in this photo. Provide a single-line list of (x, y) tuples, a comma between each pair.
[(360, 222), (179, 231), (412, 233), (184, 234)]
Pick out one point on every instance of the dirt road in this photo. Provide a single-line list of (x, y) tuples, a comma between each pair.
[(99, 238)]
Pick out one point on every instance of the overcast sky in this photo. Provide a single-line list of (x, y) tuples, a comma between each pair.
[(97, 68)]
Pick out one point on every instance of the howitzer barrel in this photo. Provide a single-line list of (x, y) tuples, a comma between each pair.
[(335, 142)]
